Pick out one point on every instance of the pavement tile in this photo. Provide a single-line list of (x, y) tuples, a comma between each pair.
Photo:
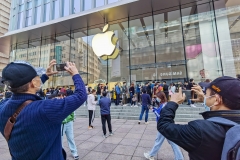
[(119, 134), (124, 150), (105, 147), (133, 136), (96, 155), (113, 140), (149, 137), (139, 158), (129, 142), (96, 139), (87, 145), (146, 143), (140, 151), (82, 137), (118, 157), (123, 130)]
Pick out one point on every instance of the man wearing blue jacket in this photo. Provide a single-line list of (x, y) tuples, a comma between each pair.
[(118, 92), (105, 104), (37, 131)]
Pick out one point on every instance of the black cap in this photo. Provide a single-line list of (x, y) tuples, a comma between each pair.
[(16, 74), (227, 87)]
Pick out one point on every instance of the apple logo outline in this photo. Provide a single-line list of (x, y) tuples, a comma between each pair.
[(105, 44)]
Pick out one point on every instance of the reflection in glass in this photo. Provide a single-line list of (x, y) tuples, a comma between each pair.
[(29, 18), (56, 9), (66, 7), (46, 12), (76, 6), (37, 17), (20, 20), (87, 4), (37, 2), (99, 3), (112, 1)]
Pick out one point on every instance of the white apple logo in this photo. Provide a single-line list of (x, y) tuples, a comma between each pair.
[(104, 44)]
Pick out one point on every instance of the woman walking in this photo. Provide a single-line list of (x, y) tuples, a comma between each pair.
[(161, 97), (91, 103)]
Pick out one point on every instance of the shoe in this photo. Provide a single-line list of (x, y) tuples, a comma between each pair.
[(124, 105), (192, 105), (136, 106), (110, 134), (146, 122), (76, 157), (147, 156), (139, 122), (105, 136), (90, 127), (131, 106)]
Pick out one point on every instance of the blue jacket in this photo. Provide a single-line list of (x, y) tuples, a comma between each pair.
[(37, 131), (118, 91), (105, 104), (146, 100)]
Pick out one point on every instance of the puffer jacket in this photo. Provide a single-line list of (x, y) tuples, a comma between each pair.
[(91, 103)]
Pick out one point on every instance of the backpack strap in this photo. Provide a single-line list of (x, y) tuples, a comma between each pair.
[(222, 121), (12, 120)]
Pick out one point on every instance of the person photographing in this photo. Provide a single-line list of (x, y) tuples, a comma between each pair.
[(36, 133)]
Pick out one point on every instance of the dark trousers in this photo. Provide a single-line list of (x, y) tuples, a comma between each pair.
[(105, 118), (167, 94), (138, 97), (91, 116), (117, 99)]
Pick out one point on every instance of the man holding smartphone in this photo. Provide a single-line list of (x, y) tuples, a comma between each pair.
[(37, 131)]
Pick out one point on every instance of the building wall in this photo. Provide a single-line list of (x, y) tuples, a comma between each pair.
[(4, 23)]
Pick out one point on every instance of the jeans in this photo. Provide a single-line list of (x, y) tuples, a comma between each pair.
[(144, 108), (98, 98), (68, 130), (91, 115), (131, 96), (158, 143), (107, 118)]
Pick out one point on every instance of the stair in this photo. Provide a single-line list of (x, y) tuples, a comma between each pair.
[(184, 113)]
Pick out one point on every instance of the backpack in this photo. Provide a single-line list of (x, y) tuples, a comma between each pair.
[(231, 146)]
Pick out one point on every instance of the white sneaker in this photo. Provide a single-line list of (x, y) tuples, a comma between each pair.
[(147, 156), (110, 134), (125, 105), (192, 105), (131, 106), (146, 122), (136, 106)]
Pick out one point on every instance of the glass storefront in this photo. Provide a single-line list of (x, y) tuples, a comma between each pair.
[(199, 41)]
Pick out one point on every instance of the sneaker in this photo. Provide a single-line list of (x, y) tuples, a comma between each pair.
[(136, 106), (125, 105), (146, 122), (105, 136), (110, 134), (131, 106), (90, 127), (139, 122), (147, 156), (76, 157), (192, 105)]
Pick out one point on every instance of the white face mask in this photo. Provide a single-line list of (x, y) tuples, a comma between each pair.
[(207, 108)]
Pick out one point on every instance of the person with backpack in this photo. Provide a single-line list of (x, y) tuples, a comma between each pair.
[(217, 135), (161, 98)]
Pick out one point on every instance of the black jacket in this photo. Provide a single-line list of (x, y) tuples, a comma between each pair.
[(202, 139)]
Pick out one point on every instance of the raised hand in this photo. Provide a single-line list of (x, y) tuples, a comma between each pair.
[(200, 95), (71, 68), (50, 71), (178, 97)]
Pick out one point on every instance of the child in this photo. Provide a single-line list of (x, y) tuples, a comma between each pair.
[(134, 99)]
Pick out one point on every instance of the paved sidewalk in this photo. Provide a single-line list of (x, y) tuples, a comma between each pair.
[(129, 141)]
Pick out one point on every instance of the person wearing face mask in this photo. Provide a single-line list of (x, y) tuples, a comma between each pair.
[(161, 98), (204, 139), (36, 133)]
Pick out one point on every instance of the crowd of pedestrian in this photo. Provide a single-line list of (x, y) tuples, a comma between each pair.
[(38, 119)]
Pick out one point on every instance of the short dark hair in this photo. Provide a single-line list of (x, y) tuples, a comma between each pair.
[(144, 91), (93, 90), (164, 81), (191, 80), (104, 94), (21, 89)]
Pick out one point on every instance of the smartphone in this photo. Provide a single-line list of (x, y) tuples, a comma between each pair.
[(60, 67)]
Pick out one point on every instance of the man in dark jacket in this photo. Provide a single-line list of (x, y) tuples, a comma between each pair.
[(38, 126), (146, 102), (105, 104), (203, 139)]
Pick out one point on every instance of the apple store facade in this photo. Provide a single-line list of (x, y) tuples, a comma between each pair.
[(172, 40)]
